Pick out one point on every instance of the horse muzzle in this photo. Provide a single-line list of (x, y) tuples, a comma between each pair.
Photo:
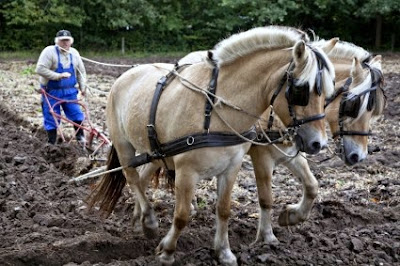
[(309, 141), (353, 153)]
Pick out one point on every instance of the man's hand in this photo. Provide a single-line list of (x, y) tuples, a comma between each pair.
[(65, 75)]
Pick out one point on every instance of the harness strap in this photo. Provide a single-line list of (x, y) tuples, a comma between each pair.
[(151, 130), (352, 133), (298, 122), (212, 89), (205, 139), (273, 136), (273, 98), (342, 89), (191, 142)]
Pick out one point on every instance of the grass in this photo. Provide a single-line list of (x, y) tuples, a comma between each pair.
[(21, 55), (34, 55)]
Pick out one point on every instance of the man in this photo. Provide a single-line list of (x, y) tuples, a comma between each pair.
[(60, 68)]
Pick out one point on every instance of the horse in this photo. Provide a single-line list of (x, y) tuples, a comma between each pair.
[(357, 75), (358, 101), (247, 68)]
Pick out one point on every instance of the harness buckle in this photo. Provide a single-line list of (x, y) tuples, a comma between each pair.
[(190, 140)]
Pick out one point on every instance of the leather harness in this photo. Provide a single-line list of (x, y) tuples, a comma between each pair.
[(189, 142), (215, 139)]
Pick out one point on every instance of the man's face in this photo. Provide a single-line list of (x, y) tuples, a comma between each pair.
[(65, 44)]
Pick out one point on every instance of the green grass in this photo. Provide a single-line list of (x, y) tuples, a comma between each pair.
[(34, 55), (21, 55)]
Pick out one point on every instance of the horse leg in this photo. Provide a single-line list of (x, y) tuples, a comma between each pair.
[(147, 218), (225, 184), (185, 182), (148, 222), (299, 212), (125, 154), (263, 164)]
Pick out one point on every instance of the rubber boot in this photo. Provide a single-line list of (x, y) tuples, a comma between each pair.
[(52, 136)]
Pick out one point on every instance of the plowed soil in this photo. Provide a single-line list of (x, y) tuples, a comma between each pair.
[(45, 221)]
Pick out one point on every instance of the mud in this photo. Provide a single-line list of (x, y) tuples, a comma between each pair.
[(45, 221)]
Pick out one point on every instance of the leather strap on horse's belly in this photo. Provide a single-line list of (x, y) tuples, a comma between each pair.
[(191, 142), (202, 140)]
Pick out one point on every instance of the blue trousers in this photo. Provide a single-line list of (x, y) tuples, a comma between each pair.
[(71, 110)]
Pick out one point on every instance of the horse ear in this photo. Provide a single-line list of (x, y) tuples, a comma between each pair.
[(328, 45), (376, 61), (210, 55), (356, 68), (299, 52)]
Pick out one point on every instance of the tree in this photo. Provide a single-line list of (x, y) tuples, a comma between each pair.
[(384, 12)]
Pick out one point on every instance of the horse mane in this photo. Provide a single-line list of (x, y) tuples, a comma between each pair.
[(244, 43), (346, 50), (380, 99)]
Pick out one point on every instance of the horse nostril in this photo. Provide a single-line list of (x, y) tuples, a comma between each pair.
[(316, 145), (354, 158)]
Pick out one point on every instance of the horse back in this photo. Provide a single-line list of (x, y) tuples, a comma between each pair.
[(180, 110)]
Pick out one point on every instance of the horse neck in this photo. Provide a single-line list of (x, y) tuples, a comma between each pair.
[(249, 83)]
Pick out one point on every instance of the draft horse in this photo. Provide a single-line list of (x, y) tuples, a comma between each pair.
[(246, 71), (357, 102)]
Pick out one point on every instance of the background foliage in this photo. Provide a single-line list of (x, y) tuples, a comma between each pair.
[(186, 25)]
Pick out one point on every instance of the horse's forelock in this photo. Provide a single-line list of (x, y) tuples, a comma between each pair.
[(244, 43), (310, 71)]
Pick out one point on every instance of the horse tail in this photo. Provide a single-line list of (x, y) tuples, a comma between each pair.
[(109, 189)]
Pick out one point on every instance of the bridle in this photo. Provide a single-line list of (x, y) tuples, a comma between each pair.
[(350, 106), (298, 95)]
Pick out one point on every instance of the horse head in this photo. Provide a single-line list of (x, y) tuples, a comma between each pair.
[(358, 102), (310, 79)]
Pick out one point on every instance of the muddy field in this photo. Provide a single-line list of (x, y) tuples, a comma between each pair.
[(44, 220)]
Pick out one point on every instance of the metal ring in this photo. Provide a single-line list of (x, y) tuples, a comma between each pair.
[(190, 140)]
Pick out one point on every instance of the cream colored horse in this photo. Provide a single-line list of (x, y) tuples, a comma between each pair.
[(251, 65), (347, 60)]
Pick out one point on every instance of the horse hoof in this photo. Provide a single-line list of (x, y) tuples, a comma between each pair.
[(164, 257), (289, 217), (270, 240), (227, 258), (150, 228), (150, 233), (166, 260)]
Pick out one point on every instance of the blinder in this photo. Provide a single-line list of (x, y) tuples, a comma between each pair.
[(350, 107), (297, 95), (300, 94)]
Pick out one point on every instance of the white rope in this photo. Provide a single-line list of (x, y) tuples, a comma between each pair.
[(88, 88), (107, 64)]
